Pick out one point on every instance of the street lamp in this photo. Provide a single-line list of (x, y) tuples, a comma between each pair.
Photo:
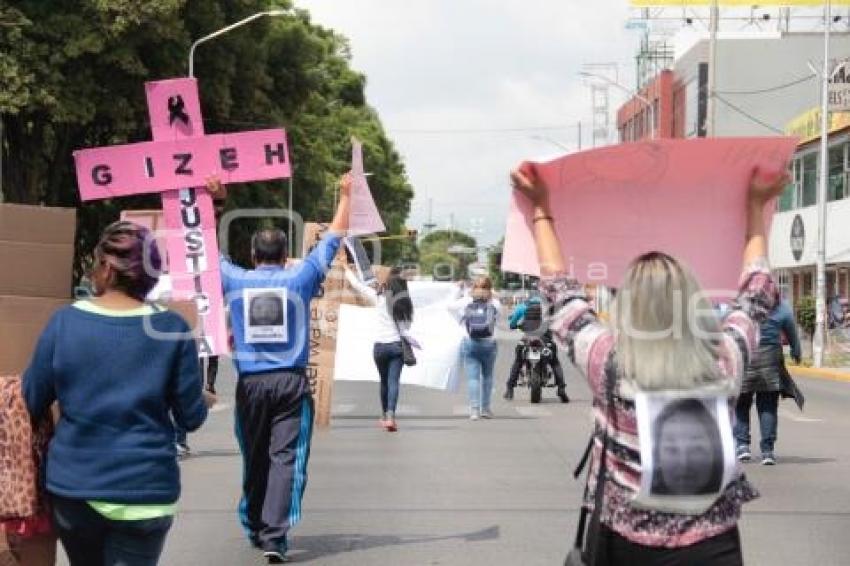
[(224, 30), (630, 92)]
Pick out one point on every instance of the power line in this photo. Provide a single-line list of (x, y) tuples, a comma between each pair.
[(436, 131), (482, 130), (747, 115), (769, 89)]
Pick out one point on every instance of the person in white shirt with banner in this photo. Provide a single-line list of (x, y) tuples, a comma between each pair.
[(395, 315)]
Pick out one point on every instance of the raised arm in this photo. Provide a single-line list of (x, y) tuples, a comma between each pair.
[(364, 290), (339, 225), (757, 294), (764, 187), (549, 254), (574, 324)]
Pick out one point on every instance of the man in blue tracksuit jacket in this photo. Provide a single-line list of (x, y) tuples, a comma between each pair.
[(270, 318)]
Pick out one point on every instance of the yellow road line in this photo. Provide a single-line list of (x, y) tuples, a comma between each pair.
[(822, 373)]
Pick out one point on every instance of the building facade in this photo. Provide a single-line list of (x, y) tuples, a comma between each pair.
[(762, 81), (794, 234)]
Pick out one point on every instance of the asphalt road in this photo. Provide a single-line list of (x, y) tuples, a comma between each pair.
[(448, 491)]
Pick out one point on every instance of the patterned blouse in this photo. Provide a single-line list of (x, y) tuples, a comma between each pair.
[(590, 344)]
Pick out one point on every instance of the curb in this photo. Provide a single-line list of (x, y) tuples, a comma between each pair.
[(822, 373)]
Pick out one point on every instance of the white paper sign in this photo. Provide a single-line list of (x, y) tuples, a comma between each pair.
[(434, 327), (687, 450), (265, 316)]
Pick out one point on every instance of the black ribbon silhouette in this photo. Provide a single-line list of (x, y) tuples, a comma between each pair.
[(177, 110)]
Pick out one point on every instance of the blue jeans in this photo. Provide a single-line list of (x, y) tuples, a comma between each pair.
[(90, 539), (479, 357), (388, 358), (767, 405)]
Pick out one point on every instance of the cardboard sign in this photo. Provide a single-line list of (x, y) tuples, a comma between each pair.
[(683, 197), (687, 450), (364, 217), (155, 167), (324, 325), (36, 250), (37, 254), (181, 157)]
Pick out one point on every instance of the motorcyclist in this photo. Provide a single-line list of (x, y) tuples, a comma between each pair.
[(528, 317)]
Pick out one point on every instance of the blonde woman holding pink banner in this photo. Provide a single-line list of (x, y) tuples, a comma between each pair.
[(631, 357)]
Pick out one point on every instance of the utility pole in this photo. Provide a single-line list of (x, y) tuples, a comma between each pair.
[(579, 135), (428, 226), (714, 25), (820, 294)]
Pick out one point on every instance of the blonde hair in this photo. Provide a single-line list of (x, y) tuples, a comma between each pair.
[(666, 330), (482, 288)]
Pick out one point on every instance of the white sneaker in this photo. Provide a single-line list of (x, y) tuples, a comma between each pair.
[(486, 414), (474, 415)]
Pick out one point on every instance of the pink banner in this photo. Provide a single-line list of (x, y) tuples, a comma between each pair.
[(174, 109), (154, 167), (205, 291), (364, 217), (182, 156), (683, 197)]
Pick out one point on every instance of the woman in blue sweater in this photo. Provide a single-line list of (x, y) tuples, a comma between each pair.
[(118, 369)]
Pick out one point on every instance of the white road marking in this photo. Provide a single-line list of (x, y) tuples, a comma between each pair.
[(797, 418)]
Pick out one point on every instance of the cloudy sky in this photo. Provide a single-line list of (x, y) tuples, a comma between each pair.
[(467, 88)]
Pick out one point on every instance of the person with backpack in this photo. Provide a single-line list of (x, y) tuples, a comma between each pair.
[(395, 315), (479, 312), (623, 365), (528, 317)]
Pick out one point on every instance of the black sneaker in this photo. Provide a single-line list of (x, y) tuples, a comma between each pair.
[(562, 394), (275, 555), (509, 394)]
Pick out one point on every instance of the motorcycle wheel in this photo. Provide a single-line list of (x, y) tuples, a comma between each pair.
[(536, 384)]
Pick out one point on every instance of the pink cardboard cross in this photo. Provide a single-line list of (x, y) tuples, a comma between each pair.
[(182, 156)]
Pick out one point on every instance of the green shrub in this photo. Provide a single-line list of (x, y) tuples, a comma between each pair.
[(807, 314)]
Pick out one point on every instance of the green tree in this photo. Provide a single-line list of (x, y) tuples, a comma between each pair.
[(494, 264), (72, 77), (437, 258)]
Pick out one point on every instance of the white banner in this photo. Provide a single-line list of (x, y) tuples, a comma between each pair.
[(434, 327)]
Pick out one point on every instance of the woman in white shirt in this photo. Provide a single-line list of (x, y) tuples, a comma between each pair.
[(479, 312), (395, 315)]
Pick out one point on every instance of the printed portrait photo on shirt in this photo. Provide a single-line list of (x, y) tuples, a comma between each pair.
[(265, 315), (687, 451)]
